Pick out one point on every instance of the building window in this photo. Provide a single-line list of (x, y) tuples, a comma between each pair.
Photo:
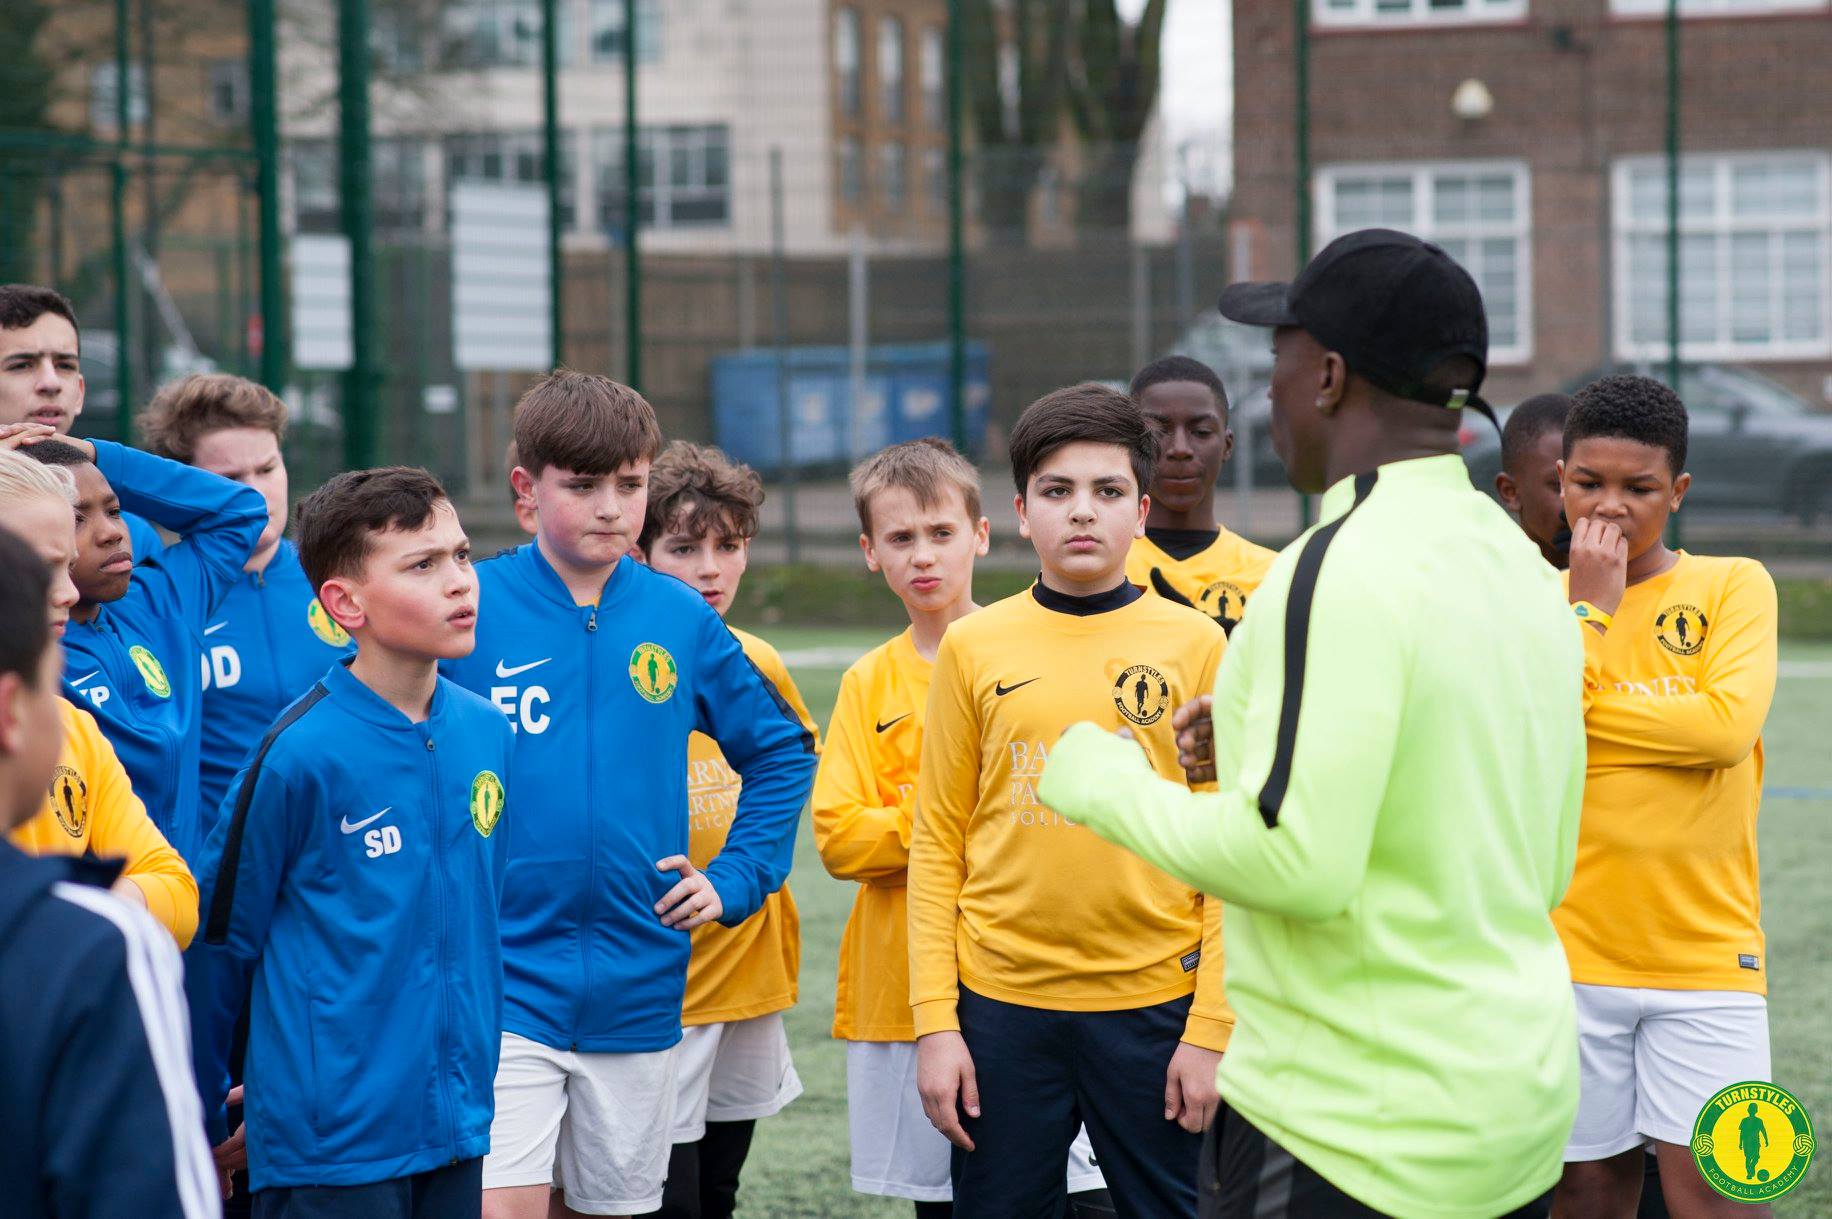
[(933, 65), (1416, 12), (1755, 240), (851, 171), (890, 70), (683, 177), (513, 156), (893, 187), (846, 62), (103, 95), (935, 179), (502, 33), (1479, 212), (606, 17), (226, 91), (1695, 8), (397, 175)]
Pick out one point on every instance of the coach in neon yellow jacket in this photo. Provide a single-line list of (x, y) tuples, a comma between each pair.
[(1400, 745)]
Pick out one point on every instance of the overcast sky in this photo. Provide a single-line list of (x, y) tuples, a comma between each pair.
[(1198, 70)]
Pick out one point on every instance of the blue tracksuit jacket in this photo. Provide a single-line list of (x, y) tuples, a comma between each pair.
[(360, 868), (136, 665), (603, 700), (265, 645)]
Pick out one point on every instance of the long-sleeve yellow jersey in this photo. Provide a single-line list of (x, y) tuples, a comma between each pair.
[(1217, 579), (737, 973), (864, 795), (91, 808), (1666, 893), (1013, 900)]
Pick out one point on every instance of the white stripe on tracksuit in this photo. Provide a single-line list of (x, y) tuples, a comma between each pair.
[(156, 975)]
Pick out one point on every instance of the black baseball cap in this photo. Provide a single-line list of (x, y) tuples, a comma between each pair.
[(1392, 306)]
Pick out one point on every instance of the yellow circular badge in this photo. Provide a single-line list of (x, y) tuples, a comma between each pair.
[(151, 671), (1752, 1142), (487, 802), (652, 672), (69, 800), (325, 627)]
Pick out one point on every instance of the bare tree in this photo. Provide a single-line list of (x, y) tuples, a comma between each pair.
[(1112, 91), (1015, 81)]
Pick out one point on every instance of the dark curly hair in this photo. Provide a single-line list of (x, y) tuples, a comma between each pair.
[(1529, 421), (1180, 368), (1632, 408), (697, 487)]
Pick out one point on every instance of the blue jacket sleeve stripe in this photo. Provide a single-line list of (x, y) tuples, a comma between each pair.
[(222, 895), (114, 1068)]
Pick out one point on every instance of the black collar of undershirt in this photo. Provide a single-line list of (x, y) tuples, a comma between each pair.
[(1083, 607), (1182, 543)]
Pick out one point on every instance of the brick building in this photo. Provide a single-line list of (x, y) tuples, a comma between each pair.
[(1553, 194)]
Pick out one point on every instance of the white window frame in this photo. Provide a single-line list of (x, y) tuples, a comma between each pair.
[(1722, 221), (1422, 173), (1713, 8), (1418, 13)]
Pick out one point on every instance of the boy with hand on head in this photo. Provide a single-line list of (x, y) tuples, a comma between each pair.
[(921, 528), (95, 1086), (41, 376), (1186, 554), (1662, 923), (359, 869), (1532, 442), (89, 807), (605, 669), (732, 1066), (135, 646), (1034, 1014)]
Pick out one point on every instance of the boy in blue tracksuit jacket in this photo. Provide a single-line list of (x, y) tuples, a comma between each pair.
[(134, 649), (360, 865), (605, 668)]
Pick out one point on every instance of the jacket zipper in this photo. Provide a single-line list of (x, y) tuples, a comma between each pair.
[(591, 831), (439, 878)]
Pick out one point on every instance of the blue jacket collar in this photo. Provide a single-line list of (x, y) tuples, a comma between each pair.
[(546, 581), (359, 700)]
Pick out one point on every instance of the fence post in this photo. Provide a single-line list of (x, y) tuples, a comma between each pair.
[(779, 325), (123, 272), (359, 404), (957, 272), (632, 265), (550, 155), (264, 116), (1673, 276)]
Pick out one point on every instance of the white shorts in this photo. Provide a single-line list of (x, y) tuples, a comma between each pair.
[(594, 1125), (735, 1072), (896, 1151), (1648, 1060)]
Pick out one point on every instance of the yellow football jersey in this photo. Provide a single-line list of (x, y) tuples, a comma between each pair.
[(864, 797), (1216, 580), (1666, 893), (736, 973), (91, 809), (1007, 897)]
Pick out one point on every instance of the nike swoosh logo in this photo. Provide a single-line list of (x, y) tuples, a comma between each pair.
[(348, 828), (504, 670), (211, 630), (78, 682), (887, 723), (1001, 689)]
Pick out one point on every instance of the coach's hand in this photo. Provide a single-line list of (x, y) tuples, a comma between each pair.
[(945, 1080), (1599, 563), (1190, 1098), (1195, 729), (693, 902), (231, 1155), (12, 435)]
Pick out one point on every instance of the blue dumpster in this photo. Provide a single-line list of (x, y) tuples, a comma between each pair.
[(905, 396)]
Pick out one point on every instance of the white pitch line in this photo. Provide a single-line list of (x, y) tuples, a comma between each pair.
[(836, 657), (1806, 668)]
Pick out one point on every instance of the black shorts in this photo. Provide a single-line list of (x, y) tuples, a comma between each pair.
[(1246, 1175)]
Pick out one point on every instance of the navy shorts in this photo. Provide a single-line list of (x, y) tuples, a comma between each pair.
[(452, 1192)]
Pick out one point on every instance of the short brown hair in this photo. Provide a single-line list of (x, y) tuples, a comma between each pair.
[(1088, 413), (190, 408), (338, 522), (925, 468), (700, 485), (23, 304), (585, 423)]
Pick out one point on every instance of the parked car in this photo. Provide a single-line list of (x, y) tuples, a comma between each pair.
[(1753, 443)]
